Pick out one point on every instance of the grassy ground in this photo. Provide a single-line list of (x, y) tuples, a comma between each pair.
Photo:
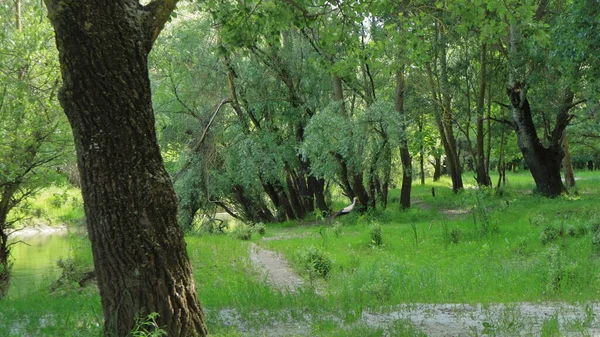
[(480, 246)]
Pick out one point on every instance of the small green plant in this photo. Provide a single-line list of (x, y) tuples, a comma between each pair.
[(316, 262), (551, 327), (455, 235), (537, 220), (337, 229), (413, 226), (376, 235), (147, 327), (560, 270), (551, 232)]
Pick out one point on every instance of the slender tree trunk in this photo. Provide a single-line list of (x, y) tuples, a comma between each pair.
[(501, 161), (140, 255), (17, 4), (421, 153), (405, 157), (452, 157), (437, 167), (481, 169), (566, 162)]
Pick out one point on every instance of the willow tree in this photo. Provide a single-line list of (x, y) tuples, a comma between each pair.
[(139, 251)]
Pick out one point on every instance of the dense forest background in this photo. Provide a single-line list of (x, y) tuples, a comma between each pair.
[(265, 109)]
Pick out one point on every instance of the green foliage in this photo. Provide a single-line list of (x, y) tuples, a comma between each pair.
[(259, 228), (33, 131), (242, 232), (376, 234), (75, 274)]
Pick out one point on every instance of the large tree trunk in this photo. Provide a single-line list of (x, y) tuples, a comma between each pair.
[(544, 163), (139, 251)]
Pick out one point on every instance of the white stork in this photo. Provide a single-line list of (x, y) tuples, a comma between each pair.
[(347, 209)]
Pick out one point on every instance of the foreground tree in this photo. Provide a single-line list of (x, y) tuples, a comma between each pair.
[(139, 252)]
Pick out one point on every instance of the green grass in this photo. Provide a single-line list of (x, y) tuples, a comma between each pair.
[(477, 246)]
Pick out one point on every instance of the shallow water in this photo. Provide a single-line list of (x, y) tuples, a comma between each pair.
[(35, 261)]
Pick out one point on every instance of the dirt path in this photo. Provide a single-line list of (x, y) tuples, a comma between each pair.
[(275, 269)]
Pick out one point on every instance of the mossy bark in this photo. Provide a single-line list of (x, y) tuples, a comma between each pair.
[(139, 251)]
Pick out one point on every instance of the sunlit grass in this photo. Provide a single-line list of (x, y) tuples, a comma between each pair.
[(477, 246)]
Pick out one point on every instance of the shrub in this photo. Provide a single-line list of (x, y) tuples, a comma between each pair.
[(316, 262), (337, 229), (537, 220), (551, 233), (376, 236), (75, 274), (243, 232), (259, 228), (559, 269)]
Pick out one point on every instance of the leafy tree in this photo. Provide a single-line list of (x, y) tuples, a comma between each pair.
[(32, 136), (140, 256), (543, 154)]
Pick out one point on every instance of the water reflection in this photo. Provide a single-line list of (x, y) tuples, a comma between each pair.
[(35, 261)]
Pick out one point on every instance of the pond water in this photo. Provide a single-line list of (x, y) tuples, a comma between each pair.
[(35, 261)]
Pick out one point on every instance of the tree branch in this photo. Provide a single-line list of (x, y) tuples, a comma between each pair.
[(196, 147), (503, 121), (159, 12)]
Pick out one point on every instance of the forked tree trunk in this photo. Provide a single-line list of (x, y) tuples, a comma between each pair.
[(544, 163), (139, 251)]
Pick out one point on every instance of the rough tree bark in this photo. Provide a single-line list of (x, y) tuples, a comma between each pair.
[(139, 251)]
